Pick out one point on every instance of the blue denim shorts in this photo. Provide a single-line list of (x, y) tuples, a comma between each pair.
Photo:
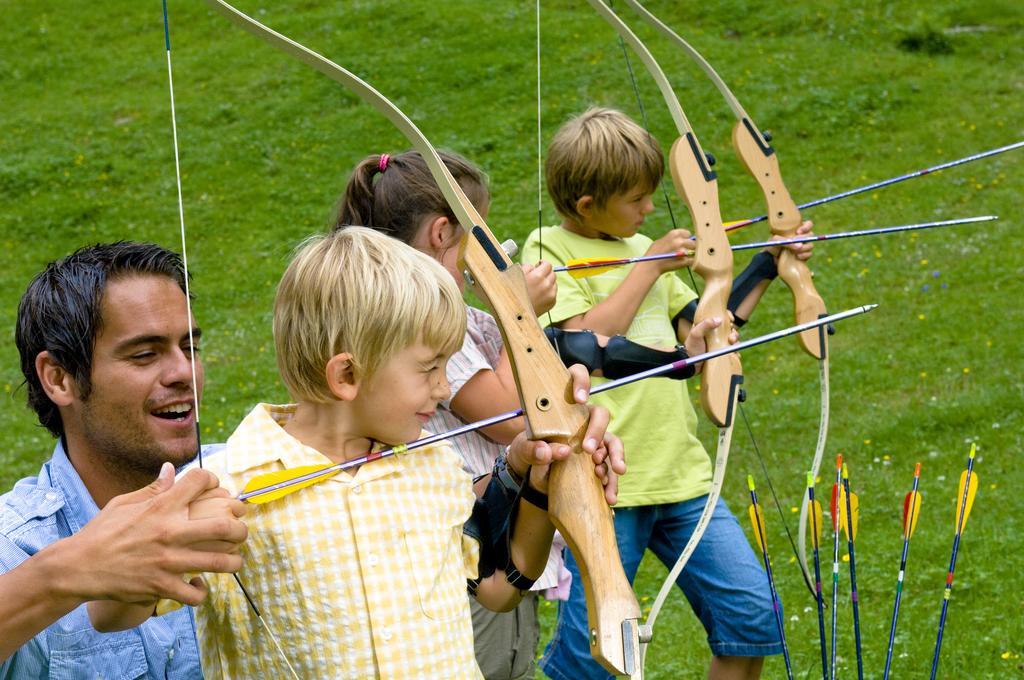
[(723, 581)]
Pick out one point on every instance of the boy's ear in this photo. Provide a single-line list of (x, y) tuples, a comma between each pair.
[(58, 384), (584, 204), (340, 377)]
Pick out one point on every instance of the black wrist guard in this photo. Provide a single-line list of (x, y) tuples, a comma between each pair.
[(576, 347), (491, 521), (527, 493), (761, 267), (623, 357), (531, 495)]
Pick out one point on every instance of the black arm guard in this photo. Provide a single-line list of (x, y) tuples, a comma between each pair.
[(762, 266), (623, 357), (576, 347), (491, 522)]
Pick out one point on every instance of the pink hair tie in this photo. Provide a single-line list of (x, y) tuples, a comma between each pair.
[(382, 164)]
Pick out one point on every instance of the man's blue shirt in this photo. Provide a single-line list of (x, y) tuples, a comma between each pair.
[(41, 510)]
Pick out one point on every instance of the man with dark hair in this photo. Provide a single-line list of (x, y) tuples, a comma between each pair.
[(108, 351)]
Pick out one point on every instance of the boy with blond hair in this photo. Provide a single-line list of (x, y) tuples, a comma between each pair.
[(602, 169), (365, 573)]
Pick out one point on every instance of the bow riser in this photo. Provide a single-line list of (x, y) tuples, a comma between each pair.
[(696, 183), (784, 217), (576, 497)]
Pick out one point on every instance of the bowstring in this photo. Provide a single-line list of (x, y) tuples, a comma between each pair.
[(188, 307), (540, 173), (647, 128), (764, 470), (184, 248)]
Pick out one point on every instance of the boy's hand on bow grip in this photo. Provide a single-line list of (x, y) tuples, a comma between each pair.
[(696, 342), (605, 448), (803, 251)]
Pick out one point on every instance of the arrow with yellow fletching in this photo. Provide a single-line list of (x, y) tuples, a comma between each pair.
[(757, 522), (814, 529), (966, 491), (852, 509), (911, 509), (835, 556), (844, 510), (273, 485)]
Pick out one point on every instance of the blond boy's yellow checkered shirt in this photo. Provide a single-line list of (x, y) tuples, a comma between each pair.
[(358, 576)]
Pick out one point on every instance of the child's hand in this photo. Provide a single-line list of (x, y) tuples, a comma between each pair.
[(605, 448), (541, 286), (696, 342), (214, 504), (675, 241), (802, 250)]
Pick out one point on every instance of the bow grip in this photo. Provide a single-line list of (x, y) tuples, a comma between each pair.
[(713, 263), (576, 502)]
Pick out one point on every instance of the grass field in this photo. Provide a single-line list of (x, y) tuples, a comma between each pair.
[(852, 91)]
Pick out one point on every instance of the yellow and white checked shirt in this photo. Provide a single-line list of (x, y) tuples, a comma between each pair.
[(358, 576)]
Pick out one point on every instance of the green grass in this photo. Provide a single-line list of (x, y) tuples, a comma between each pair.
[(853, 92)]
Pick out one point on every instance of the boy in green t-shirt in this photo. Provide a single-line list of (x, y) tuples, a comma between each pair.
[(602, 169)]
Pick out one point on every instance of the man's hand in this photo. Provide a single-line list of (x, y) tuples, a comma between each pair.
[(213, 503), (139, 546), (605, 448)]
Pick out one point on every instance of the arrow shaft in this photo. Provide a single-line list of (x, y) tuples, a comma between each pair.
[(853, 577), (820, 600), (888, 182), (899, 577), (835, 567), (800, 239), (776, 606), (867, 232), (961, 520), (604, 387)]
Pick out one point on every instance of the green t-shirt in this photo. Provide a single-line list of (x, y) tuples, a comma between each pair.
[(654, 418)]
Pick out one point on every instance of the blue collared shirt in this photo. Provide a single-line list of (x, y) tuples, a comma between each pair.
[(41, 510)]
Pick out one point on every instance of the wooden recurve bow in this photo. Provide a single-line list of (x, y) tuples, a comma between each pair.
[(577, 505), (721, 378), (758, 157)]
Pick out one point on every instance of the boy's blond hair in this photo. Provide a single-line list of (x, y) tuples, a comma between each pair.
[(359, 291), (600, 153)]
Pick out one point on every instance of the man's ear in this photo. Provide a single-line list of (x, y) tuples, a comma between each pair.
[(340, 376), (58, 384), (584, 205)]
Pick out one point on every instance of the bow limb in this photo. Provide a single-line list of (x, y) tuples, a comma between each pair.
[(577, 504), (697, 184), (759, 158), (721, 378)]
